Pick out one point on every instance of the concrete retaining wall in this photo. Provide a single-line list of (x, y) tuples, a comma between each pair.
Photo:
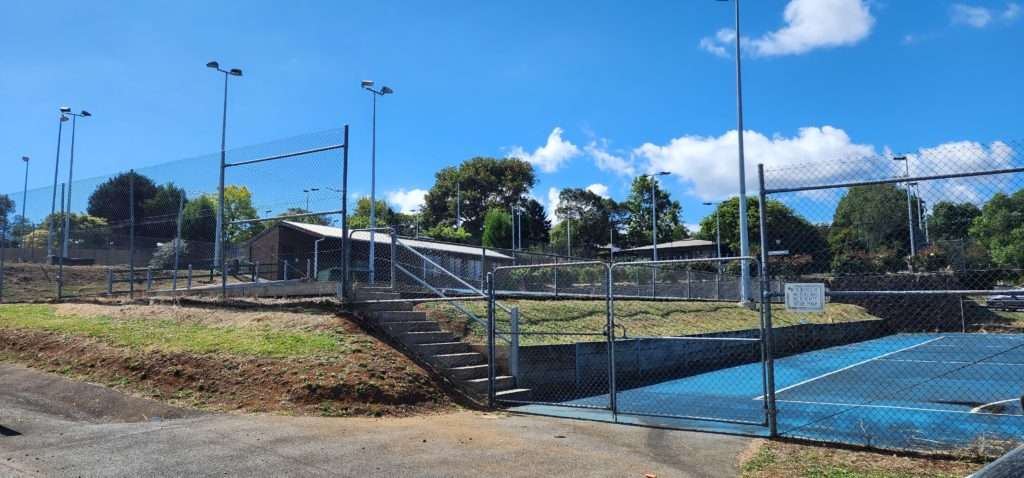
[(560, 372)]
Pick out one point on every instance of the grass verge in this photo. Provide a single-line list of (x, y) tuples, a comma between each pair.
[(791, 460), (640, 318)]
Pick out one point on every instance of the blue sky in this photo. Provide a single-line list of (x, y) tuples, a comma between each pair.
[(591, 92)]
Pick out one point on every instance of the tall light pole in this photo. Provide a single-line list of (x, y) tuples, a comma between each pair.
[(307, 191), (53, 199), (745, 295), (910, 207), (654, 211), (384, 90), (219, 235), (24, 196), (71, 172)]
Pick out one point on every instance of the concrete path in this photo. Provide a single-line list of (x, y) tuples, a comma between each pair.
[(52, 426)]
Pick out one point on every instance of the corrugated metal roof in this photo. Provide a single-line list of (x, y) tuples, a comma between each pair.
[(384, 238)]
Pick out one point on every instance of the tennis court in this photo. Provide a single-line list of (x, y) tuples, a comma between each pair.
[(905, 391)]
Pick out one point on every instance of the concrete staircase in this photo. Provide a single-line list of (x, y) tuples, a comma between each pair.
[(453, 358)]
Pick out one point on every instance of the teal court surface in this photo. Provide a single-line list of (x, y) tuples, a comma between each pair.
[(906, 391)]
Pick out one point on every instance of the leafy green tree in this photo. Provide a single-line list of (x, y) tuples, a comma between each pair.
[(638, 225), (872, 221), (159, 219), (86, 231), (237, 207), (486, 183), (113, 199), (951, 221), (1000, 229), (6, 206), (591, 217), (497, 229), (199, 224), (787, 230), (294, 211), (441, 232), (535, 223), (360, 219)]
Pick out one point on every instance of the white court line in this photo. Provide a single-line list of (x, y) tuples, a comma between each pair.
[(848, 367), (896, 407), (954, 362), (979, 408)]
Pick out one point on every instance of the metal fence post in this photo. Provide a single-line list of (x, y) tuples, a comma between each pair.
[(256, 271), (689, 284), (309, 269), (766, 310), (491, 372), (188, 285), (60, 260), (131, 233), (513, 350), (718, 282), (3, 249), (284, 268), (610, 333), (556, 276), (345, 243), (394, 250), (149, 279)]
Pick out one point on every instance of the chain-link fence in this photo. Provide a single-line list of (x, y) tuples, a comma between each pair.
[(154, 229), (928, 246)]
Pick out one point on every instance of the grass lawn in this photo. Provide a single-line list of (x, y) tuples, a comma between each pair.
[(174, 336), (790, 460), (640, 318), (303, 361)]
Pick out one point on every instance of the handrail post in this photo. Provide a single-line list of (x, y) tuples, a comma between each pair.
[(513, 350), (491, 373)]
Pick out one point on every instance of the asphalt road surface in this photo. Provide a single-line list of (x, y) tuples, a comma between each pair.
[(52, 426)]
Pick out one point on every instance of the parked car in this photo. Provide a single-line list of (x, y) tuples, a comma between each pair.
[(1006, 302)]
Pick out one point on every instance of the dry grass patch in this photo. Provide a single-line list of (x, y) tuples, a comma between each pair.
[(793, 460)]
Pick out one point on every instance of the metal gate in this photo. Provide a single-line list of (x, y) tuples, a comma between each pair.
[(638, 339)]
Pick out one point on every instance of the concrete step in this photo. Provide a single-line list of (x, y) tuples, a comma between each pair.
[(442, 348), (388, 316), (416, 338), (468, 372), (513, 394), (396, 328), (382, 306), (479, 385), (458, 360)]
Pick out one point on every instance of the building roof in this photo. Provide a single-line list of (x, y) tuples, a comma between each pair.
[(681, 244), (385, 238)]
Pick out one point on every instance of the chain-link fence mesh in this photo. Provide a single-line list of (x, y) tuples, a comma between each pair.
[(154, 228), (926, 351)]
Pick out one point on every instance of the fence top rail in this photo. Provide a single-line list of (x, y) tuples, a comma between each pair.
[(286, 155), (687, 261), (552, 264), (925, 292), (912, 179)]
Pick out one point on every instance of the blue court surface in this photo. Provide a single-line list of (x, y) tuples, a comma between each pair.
[(906, 391)]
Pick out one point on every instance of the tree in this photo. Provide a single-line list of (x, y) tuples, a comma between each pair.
[(870, 227), (486, 183), (295, 211), (535, 223), (360, 219), (199, 224), (951, 221), (497, 229), (808, 249), (591, 219), (159, 215), (113, 200), (1000, 229), (441, 232), (237, 207), (86, 231), (6, 206), (638, 225)]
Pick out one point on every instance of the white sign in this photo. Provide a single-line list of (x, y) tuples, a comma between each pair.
[(805, 297)]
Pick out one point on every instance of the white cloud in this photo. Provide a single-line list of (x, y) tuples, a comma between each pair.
[(606, 161), (1013, 10), (553, 204), (599, 189), (960, 157), (810, 24), (970, 15), (709, 164), (551, 156), (407, 201)]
